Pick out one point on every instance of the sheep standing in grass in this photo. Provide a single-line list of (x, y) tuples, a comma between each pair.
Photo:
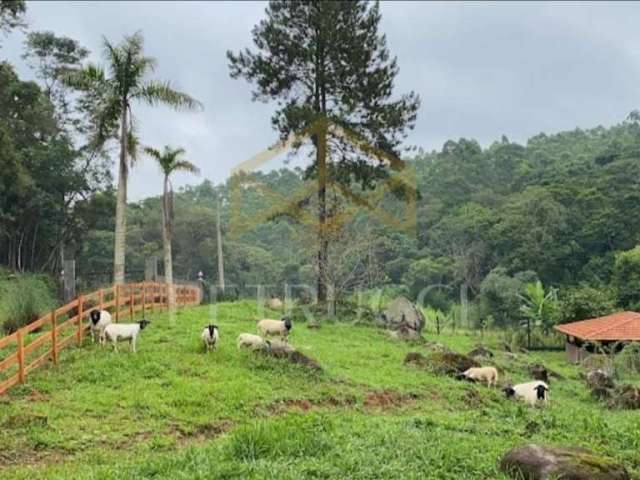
[(530, 392), (210, 337), (116, 332), (281, 328), (274, 303), (251, 341), (99, 319), (482, 374)]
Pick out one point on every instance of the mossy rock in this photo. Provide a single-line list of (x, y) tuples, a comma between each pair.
[(415, 358), (449, 363), (625, 397), (538, 462)]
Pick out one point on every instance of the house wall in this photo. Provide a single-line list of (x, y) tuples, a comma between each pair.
[(575, 354)]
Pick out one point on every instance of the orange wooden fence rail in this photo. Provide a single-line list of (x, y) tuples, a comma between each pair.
[(35, 344)]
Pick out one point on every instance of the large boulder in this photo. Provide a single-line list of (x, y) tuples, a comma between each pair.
[(598, 379), (538, 462), (403, 319)]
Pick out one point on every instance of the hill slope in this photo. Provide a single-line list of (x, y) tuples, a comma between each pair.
[(172, 411)]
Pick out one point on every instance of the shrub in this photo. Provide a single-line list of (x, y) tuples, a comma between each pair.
[(23, 298)]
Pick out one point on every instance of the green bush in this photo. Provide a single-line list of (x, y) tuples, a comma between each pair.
[(23, 298)]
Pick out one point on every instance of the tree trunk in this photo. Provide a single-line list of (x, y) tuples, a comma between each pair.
[(166, 237), (121, 203), (323, 242), (221, 283)]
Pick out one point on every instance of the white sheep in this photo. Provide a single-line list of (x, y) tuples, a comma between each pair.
[(210, 336), (124, 331), (99, 319), (267, 327), (530, 392), (251, 341), (274, 303), (481, 374)]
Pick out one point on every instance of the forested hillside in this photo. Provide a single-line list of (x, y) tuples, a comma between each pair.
[(558, 209), (491, 222)]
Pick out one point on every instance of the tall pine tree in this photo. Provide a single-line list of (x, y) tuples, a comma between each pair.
[(326, 61)]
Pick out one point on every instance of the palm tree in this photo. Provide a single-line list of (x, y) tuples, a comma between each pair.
[(114, 93), (170, 161)]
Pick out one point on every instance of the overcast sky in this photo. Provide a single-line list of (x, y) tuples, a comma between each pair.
[(482, 70)]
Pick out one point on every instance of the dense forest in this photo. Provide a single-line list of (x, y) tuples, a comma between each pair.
[(504, 228)]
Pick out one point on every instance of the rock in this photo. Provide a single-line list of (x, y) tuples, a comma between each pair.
[(415, 358), (625, 397), (405, 333), (602, 393), (537, 462), (449, 363), (599, 379), (480, 351), (286, 351), (404, 319), (442, 362), (539, 372)]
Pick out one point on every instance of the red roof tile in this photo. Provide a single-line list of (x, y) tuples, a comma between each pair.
[(617, 326)]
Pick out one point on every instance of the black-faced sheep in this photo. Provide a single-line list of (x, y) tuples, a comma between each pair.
[(281, 328), (116, 332), (530, 392), (99, 319), (210, 336)]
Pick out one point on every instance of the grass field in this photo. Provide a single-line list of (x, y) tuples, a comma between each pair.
[(171, 411)]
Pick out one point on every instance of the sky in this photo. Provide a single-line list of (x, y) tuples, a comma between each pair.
[(482, 70)]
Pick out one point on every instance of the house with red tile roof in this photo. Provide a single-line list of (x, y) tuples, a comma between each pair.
[(583, 337)]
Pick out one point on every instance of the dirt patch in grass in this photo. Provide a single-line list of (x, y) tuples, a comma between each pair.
[(388, 399), (38, 396), (305, 405), (202, 433), (32, 458)]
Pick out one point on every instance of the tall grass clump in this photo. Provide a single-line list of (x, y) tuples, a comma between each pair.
[(293, 436), (23, 298)]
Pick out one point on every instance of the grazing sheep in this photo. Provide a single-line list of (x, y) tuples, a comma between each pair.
[(483, 374), (210, 336), (99, 319), (124, 331), (530, 392), (282, 327), (274, 303), (251, 341)]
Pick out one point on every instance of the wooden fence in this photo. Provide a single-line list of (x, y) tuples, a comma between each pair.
[(42, 340)]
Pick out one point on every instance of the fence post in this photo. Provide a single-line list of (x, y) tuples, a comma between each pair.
[(80, 313), (101, 299), (131, 300), (117, 303), (20, 356), (144, 299), (54, 337)]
